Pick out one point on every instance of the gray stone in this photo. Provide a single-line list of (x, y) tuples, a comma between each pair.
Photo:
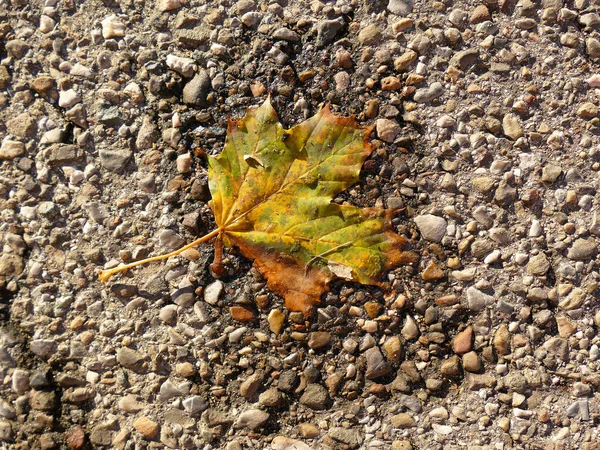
[(388, 130), (130, 359), (285, 34), (170, 240), (477, 300), (425, 95), (432, 228), (315, 397), (353, 438), (109, 116), (101, 435), (44, 348), (22, 125), (194, 405), (114, 160), (400, 7), (252, 419), (327, 30), (582, 250), (6, 433), (16, 48), (377, 366), (20, 381), (60, 154), (196, 90), (559, 347), (212, 292), (168, 390)]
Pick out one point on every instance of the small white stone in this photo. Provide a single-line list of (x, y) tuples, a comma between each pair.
[(184, 66), (92, 377), (112, 27), (81, 71), (134, 92), (212, 292), (594, 80), (493, 257), (536, 229), (251, 19), (184, 163), (68, 98), (47, 24), (442, 429), (521, 258), (168, 5)]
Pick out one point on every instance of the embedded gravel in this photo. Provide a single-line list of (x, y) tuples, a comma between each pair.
[(487, 135)]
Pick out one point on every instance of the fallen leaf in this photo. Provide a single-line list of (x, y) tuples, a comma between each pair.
[(272, 190), (272, 193)]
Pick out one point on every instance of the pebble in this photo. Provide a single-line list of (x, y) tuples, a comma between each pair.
[(112, 27), (432, 228), (184, 163), (286, 443), (168, 5), (130, 359), (44, 348), (377, 366), (315, 397), (184, 66), (276, 320), (212, 292), (387, 130), (11, 149), (319, 339), (351, 437), (478, 300), (462, 342), (583, 250), (471, 362), (402, 421), (400, 7), (404, 61), (252, 419), (114, 160), (146, 427), (369, 35), (194, 405), (426, 95), (538, 265), (511, 127), (20, 381), (250, 386), (285, 34), (47, 23), (195, 92)]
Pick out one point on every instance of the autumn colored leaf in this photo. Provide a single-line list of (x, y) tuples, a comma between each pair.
[(272, 193)]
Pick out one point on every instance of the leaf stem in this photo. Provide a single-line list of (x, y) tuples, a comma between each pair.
[(104, 275)]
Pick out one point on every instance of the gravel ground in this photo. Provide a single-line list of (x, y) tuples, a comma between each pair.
[(487, 136)]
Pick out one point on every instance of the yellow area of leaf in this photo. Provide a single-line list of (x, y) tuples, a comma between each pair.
[(272, 190)]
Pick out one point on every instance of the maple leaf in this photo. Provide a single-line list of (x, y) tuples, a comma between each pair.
[(272, 193)]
